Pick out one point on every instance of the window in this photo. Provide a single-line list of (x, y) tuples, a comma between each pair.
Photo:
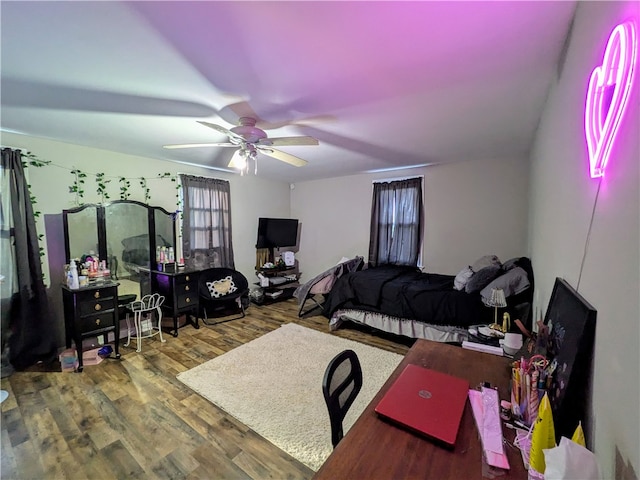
[(396, 222), (206, 222)]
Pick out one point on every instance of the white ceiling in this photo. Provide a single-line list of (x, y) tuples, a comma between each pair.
[(381, 85)]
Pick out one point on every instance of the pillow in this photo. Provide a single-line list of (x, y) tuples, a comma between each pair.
[(481, 278), (462, 278), (220, 288), (513, 282), (511, 263), (485, 261)]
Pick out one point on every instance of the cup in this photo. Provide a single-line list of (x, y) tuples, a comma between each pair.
[(513, 341)]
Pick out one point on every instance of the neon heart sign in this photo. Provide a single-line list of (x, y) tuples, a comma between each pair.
[(608, 95)]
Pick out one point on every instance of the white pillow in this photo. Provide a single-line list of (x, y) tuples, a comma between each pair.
[(220, 288), (462, 278)]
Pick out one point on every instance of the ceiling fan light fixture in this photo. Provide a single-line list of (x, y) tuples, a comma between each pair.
[(239, 160), (241, 157)]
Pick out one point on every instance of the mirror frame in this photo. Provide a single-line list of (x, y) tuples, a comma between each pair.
[(152, 211)]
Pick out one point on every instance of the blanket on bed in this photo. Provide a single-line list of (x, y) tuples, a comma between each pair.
[(330, 274), (406, 292)]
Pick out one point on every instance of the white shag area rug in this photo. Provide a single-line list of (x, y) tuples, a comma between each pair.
[(273, 385)]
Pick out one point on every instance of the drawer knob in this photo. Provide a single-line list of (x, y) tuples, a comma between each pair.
[(187, 288), (98, 321), (97, 294), (98, 307), (188, 300)]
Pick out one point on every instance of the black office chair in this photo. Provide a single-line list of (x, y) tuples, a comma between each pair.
[(341, 384), (222, 291)]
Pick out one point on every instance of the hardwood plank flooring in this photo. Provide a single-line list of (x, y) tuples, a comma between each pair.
[(133, 419)]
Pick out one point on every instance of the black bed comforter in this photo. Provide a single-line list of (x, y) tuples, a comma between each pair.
[(406, 292)]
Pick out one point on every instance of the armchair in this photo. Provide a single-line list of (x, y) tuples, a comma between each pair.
[(222, 291)]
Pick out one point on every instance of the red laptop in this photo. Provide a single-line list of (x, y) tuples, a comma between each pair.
[(426, 402)]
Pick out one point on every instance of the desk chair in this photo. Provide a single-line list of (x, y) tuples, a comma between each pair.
[(341, 384), (144, 311)]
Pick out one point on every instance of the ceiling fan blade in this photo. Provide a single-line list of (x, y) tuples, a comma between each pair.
[(289, 141), (219, 128), (283, 156), (198, 145)]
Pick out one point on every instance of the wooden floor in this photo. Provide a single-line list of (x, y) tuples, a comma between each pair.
[(131, 418)]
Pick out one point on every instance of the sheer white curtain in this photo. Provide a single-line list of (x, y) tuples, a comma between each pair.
[(396, 222), (206, 222)]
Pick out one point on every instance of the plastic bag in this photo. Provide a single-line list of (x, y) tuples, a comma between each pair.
[(570, 460)]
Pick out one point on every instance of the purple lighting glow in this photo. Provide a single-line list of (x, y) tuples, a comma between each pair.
[(608, 95)]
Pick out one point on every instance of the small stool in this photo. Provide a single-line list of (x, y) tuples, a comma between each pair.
[(143, 310), (123, 303)]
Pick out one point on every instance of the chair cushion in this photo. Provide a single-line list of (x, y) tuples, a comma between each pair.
[(222, 287)]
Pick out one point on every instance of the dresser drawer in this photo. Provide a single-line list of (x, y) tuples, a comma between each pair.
[(97, 321), (188, 300), (92, 305), (107, 293), (186, 288), (186, 278)]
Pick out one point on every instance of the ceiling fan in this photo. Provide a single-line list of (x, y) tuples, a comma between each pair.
[(250, 140)]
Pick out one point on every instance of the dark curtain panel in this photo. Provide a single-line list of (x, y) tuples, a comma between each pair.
[(206, 223), (396, 222), (27, 327)]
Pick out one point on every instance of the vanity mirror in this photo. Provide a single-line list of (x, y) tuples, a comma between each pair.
[(123, 233)]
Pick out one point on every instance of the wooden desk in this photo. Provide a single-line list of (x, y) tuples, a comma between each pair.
[(375, 449)]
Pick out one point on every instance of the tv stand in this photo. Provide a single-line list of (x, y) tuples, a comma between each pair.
[(282, 283)]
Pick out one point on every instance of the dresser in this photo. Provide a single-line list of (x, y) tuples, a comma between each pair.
[(89, 312), (180, 290)]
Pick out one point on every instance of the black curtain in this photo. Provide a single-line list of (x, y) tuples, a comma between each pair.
[(396, 222), (27, 325)]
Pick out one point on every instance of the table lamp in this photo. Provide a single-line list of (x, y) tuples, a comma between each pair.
[(497, 300)]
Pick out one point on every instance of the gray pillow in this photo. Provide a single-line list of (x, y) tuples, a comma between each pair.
[(462, 278), (513, 282), (485, 261), (482, 278), (511, 263)]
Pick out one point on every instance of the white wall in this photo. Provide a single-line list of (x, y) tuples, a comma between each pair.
[(471, 209), (561, 204), (251, 197)]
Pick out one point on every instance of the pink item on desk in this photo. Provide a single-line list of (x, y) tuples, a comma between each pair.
[(488, 423)]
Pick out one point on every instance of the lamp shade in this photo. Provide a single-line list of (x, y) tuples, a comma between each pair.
[(497, 298)]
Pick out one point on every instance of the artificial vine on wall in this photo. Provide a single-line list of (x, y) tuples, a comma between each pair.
[(34, 161), (125, 184), (101, 189), (77, 187), (102, 181)]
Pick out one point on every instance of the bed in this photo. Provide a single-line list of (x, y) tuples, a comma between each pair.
[(405, 301)]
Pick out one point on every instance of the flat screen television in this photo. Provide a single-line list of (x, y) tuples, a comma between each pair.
[(277, 232), (573, 327)]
